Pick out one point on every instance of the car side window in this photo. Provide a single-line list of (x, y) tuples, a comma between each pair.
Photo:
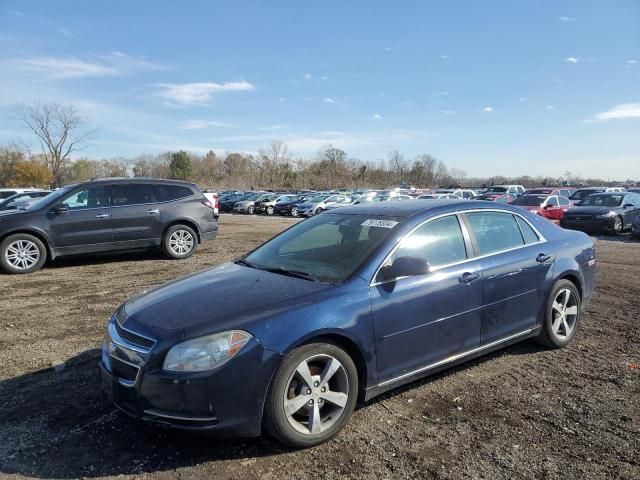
[(553, 202), (564, 201), (494, 231), (529, 234), (132, 194), (167, 193), (94, 197), (439, 242)]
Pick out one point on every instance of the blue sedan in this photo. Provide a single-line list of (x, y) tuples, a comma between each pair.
[(343, 307)]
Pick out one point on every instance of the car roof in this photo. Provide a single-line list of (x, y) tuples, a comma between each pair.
[(418, 207), (138, 180)]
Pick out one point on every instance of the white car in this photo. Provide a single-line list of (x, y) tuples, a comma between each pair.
[(319, 203), (213, 198), (9, 192), (439, 196)]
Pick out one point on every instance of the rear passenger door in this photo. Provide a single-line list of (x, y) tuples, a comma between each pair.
[(515, 262), (136, 215)]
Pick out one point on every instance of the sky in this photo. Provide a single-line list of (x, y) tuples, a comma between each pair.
[(494, 87)]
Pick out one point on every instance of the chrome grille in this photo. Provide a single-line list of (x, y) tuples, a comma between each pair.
[(134, 338)]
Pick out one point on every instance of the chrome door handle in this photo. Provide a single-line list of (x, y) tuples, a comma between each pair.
[(468, 277), (102, 215), (542, 258), (154, 211)]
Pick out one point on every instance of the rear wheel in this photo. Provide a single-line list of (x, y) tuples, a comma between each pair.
[(312, 395), (250, 209), (269, 210), (294, 211), (179, 242), (318, 211), (22, 253), (562, 315)]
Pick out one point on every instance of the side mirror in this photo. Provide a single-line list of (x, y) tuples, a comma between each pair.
[(405, 267), (628, 205), (60, 209)]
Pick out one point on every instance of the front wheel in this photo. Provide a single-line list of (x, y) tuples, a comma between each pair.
[(294, 212), (318, 211), (22, 253), (312, 395), (562, 315), (179, 242), (618, 226), (269, 210), (250, 209)]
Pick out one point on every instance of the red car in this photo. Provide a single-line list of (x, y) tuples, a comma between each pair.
[(551, 207), (497, 197)]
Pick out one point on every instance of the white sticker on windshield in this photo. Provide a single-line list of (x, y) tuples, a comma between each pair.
[(372, 222)]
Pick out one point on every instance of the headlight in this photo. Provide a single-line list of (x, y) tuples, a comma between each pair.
[(606, 215), (205, 353)]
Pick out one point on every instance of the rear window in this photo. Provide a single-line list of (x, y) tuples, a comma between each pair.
[(4, 195), (529, 234), (167, 193), (494, 231)]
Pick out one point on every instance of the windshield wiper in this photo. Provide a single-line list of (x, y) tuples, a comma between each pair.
[(245, 263), (291, 273)]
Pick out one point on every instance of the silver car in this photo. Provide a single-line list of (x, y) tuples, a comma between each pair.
[(320, 203)]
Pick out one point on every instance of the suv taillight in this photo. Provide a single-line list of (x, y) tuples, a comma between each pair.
[(216, 204)]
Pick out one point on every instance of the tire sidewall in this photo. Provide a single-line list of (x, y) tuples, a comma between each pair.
[(6, 267), (318, 211), (275, 418), (551, 338), (165, 242)]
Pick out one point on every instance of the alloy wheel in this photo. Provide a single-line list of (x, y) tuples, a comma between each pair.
[(181, 242), (294, 212), (617, 225), (316, 394), (269, 210), (22, 254), (564, 313)]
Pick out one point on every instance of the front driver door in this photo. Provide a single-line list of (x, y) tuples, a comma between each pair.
[(422, 320), (82, 221)]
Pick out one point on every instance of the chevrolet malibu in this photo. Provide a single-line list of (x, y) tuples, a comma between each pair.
[(343, 307)]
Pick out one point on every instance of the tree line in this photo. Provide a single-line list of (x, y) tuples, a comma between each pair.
[(62, 135)]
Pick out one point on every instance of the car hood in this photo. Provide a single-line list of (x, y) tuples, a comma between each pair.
[(589, 210), (225, 297)]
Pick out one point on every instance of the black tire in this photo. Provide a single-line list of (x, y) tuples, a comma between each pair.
[(318, 211), (250, 209), (548, 336), (173, 234), (276, 420), (269, 210), (25, 243), (294, 211), (618, 226)]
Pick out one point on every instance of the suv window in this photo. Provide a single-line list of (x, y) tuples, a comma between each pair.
[(494, 231), (132, 194), (167, 193), (440, 242), (94, 197)]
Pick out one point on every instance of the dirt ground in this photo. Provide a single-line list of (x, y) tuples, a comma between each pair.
[(524, 412)]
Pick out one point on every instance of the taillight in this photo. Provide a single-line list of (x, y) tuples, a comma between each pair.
[(215, 197)]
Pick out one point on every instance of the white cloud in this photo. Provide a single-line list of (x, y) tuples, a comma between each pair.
[(308, 76), (550, 107), (64, 67), (282, 99), (448, 112), (16, 13), (328, 100), (324, 77), (199, 93), (440, 94), (377, 116), (444, 57), (115, 63), (522, 99), (274, 128), (631, 62), (624, 111), (571, 60), (487, 109), (566, 19), (64, 32), (202, 124)]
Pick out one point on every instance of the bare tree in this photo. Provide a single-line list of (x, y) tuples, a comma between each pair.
[(458, 175), (398, 163), (60, 130)]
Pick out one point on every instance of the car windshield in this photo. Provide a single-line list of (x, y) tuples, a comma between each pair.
[(529, 200), (495, 190), (48, 199), (602, 201), (580, 194), (327, 248), (318, 198)]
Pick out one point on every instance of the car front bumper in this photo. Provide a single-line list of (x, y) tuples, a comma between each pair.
[(595, 225), (228, 400), (241, 208)]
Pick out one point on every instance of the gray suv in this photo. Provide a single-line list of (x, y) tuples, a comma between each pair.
[(106, 215)]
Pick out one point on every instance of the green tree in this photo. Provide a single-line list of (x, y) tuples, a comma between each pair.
[(181, 166)]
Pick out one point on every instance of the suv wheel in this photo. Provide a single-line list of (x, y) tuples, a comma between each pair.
[(22, 253), (179, 242), (562, 315), (312, 395)]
